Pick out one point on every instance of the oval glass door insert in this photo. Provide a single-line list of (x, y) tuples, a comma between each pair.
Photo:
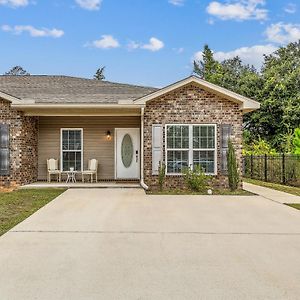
[(127, 150)]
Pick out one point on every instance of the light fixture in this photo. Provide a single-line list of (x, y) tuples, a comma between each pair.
[(108, 135)]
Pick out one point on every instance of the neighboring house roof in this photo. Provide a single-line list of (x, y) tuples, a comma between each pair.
[(43, 89), (246, 104)]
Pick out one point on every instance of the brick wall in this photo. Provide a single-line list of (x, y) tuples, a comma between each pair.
[(187, 105), (23, 145)]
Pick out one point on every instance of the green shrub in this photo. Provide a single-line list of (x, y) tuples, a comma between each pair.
[(233, 173), (259, 147), (195, 179), (161, 175)]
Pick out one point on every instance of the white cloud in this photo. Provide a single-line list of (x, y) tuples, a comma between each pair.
[(249, 55), (283, 33), (177, 2), (34, 32), (178, 50), (106, 42), (238, 10), (291, 8), (14, 3), (89, 4), (132, 45), (154, 45)]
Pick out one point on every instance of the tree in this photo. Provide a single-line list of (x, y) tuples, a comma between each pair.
[(17, 71), (280, 97), (207, 68), (233, 173), (296, 141), (230, 73), (276, 87), (99, 75)]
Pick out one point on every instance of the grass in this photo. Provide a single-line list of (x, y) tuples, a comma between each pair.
[(294, 205), (279, 187), (18, 205), (189, 192)]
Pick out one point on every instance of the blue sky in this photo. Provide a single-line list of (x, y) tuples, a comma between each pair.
[(139, 41)]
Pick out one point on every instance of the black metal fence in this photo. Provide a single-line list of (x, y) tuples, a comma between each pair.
[(281, 168)]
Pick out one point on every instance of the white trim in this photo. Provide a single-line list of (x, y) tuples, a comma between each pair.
[(191, 149), (115, 152), (61, 148), (246, 104), (10, 98)]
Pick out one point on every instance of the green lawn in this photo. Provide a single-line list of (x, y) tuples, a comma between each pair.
[(188, 192), (20, 204), (294, 205), (279, 187)]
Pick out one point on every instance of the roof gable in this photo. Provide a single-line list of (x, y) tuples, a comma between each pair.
[(246, 104)]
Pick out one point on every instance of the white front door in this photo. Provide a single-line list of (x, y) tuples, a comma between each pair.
[(127, 153)]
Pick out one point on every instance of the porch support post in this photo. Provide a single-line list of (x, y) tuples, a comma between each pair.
[(143, 184)]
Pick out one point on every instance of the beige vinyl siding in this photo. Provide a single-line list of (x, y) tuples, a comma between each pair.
[(95, 144)]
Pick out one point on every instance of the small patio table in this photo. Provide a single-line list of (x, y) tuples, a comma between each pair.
[(71, 176)]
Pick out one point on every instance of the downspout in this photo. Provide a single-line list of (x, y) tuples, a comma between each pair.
[(143, 184)]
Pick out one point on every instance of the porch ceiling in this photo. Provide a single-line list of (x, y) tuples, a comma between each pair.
[(80, 110)]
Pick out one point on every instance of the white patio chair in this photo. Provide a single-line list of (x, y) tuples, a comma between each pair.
[(52, 167), (92, 170)]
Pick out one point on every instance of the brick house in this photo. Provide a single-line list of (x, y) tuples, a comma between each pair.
[(128, 129)]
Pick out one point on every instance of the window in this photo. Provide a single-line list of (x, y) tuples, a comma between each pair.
[(177, 148), (204, 148), (190, 145), (71, 145)]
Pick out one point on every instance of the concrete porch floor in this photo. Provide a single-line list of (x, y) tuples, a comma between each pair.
[(79, 184)]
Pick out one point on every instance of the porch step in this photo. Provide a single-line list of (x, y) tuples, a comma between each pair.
[(81, 185)]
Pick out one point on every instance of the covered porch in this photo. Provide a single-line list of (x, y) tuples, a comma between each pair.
[(114, 141), (75, 136)]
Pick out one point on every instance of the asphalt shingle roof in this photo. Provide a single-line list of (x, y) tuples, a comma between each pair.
[(65, 89)]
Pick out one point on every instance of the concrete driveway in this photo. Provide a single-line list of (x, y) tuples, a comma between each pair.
[(122, 244)]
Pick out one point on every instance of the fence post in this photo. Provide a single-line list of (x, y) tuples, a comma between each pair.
[(266, 167), (283, 169), (251, 166)]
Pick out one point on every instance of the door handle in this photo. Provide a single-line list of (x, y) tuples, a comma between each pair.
[(136, 155)]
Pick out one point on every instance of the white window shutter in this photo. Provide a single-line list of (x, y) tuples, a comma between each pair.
[(157, 147)]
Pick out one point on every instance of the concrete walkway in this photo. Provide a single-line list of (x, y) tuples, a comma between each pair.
[(122, 244), (271, 194)]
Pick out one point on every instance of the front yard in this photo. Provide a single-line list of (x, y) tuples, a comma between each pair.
[(294, 205), (18, 205)]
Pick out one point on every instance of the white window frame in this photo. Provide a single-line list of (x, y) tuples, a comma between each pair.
[(191, 148), (61, 147)]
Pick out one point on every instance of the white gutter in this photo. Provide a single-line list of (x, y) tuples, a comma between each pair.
[(143, 184), (71, 106)]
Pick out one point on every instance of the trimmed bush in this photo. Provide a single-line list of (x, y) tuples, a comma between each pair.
[(196, 179), (233, 174), (161, 175)]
